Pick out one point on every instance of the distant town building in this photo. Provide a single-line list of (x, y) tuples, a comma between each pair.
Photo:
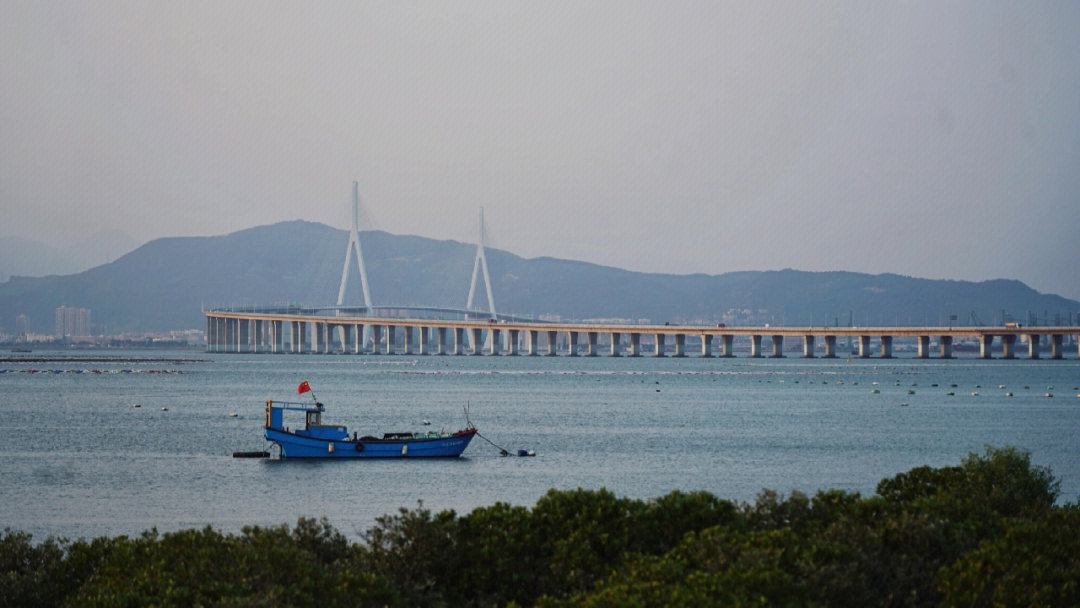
[(72, 321), (22, 326)]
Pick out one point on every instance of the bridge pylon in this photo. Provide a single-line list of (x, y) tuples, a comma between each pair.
[(481, 263), (354, 247)]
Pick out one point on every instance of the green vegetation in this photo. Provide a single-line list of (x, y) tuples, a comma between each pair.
[(985, 533)]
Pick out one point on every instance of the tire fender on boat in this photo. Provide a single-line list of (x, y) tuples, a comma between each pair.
[(359, 445)]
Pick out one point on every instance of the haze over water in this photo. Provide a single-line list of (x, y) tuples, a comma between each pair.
[(78, 460)]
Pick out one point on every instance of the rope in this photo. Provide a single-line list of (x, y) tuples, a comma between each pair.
[(502, 451)]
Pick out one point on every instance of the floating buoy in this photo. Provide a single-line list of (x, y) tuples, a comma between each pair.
[(425, 422), (952, 386), (164, 409), (974, 393), (934, 384), (1010, 395), (136, 405), (1001, 386), (904, 404), (1049, 394), (949, 394), (875, 391), (910, 392), (526, 453), (232, 414)]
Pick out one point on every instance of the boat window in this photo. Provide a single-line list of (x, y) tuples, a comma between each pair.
[(314, 418)]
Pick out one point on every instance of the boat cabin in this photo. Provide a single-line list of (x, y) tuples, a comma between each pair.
[(313, 426)]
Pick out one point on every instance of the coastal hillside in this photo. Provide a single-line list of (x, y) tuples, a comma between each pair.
[(166, 283)]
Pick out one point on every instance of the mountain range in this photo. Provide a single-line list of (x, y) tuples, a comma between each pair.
[(166, 283), (26, 257)]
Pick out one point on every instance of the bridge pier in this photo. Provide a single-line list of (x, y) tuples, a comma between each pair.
[(1033, 346), (830, 347), (590, 340), (475, 334), (613, 337), (298, 336), (243, 338), (864, 347), (376, 338), (755, 346), (552, 343), (635, 344), (808, 346), (533, 337), (727, 342), (513, 344), (279, 337), (459, 341), (391, 339), (258, 342), (923, 349), (316, 337), (706, 345), (1055, 346), (345, 333), (439, 336), (777, 347), (572, 338), (946, 346), (659, 349), (211, 333), (680, 345), (986, 346), (886, 347), (1008, 346)]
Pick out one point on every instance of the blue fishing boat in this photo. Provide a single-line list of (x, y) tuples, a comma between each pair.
[(318, 440)]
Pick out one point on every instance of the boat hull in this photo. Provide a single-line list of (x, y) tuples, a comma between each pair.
[(297, 446)]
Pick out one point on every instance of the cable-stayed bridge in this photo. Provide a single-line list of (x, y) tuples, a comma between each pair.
[(372, 329)]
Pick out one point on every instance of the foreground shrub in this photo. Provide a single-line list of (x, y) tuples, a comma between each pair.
[(984, 533)]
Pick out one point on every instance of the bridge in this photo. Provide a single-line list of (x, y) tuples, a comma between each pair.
[(238, 331), (369, 329)]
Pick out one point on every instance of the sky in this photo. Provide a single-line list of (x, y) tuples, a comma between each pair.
[(933, 139)]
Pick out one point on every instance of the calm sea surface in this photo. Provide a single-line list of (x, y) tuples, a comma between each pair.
[(77, 460)]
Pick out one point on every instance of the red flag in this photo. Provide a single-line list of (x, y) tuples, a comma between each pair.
[(303, 388)]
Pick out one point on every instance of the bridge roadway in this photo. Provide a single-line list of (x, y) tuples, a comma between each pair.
[(265, 332)]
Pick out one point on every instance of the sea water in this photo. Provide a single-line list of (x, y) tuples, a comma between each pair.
[(77, 459)]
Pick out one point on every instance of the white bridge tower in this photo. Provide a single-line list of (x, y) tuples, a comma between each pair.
[(481, 261), (354, 247)]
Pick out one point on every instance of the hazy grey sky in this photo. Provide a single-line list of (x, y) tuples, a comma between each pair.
[(936, 139)]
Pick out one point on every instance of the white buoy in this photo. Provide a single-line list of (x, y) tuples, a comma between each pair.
[(164, 409), (974, 393), (1008, 394), (232, 414), (425, 422)]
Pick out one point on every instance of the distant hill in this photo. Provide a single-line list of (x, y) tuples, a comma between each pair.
[(25, 257), (165, 283)]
